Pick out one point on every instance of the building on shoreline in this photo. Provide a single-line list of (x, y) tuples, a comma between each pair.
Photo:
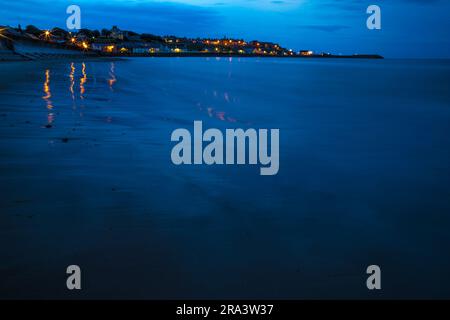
[(120, 42), (117, 41)]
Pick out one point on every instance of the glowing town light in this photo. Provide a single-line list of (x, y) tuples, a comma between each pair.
[(1, 33)]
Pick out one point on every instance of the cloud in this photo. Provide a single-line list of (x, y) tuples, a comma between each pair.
[(157, 17), (325, 28), (357, 5), (345, 5)]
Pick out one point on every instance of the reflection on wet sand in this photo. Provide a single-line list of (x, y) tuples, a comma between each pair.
[(112, 74), (83, 80), (222, 97), (48, 95), (47, 91), (220, 115), (111, 80), (73, 76), (212, 112), (72, 80)]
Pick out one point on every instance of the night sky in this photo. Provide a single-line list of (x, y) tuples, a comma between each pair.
[(410, 28)]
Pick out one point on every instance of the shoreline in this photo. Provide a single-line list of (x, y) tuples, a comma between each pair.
[(226, 55), (26, 50), (20, 57)]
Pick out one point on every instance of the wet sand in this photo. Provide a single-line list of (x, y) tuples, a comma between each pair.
[(86, 178)]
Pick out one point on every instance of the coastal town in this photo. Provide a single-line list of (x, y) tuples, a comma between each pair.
[(118, 42), (115, 41)]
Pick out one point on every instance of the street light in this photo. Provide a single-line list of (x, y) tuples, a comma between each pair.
[(47, 34)]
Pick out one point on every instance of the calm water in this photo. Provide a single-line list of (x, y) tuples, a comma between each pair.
[(86, 178)]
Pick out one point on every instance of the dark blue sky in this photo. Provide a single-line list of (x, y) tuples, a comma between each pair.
[(410, 28)]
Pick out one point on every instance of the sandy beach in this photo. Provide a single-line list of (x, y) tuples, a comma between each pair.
[(86, 178)]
